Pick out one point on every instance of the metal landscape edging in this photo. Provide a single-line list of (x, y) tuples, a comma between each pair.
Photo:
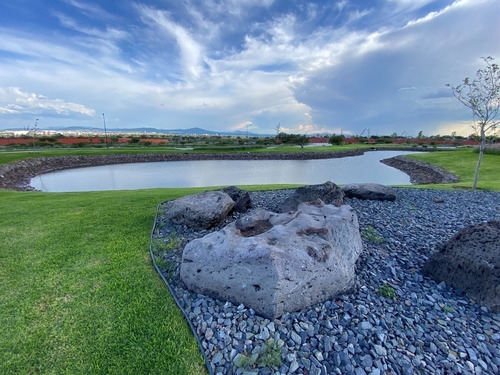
[(200, 346)]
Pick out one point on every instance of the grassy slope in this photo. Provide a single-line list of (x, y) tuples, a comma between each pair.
[(78, 293)]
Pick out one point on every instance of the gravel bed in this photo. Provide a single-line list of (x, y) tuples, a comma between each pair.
[(428, 328)]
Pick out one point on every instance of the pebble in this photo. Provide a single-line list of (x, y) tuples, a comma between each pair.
[(364, 333)]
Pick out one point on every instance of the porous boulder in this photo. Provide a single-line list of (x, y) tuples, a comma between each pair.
[(328, 192), (277, 263), (241, 198), (470, 261), (199, 211), (369, 191)]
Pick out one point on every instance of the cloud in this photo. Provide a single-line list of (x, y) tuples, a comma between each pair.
[(219, 64), (363, 89), (91, 10), (410, 4), (190, 49), (462, 128), (106, 35), (15, 101), (235, 7)]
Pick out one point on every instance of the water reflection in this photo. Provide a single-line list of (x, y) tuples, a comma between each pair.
[(365, 168)]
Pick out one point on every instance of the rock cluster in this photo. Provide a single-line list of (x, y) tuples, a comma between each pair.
[(277, 263)]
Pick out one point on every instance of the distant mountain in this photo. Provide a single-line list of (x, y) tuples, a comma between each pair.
[(147, 130), (76, 128), (191, 131)]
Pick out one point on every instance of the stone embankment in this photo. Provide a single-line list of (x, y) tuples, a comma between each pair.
[(17, 176), (420, 172)]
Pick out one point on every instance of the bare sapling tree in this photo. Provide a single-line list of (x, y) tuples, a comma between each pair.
[(482, 96)]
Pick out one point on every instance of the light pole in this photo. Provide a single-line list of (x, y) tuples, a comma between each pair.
[(105, 132), (35, 128)]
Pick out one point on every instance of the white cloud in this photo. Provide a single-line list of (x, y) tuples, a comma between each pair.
[(15, 101), (363, 89), (411, 4), (462, 128), (235, 7), (191, 50), (91, 10), (226, 63), (109, 34), (84, 53)]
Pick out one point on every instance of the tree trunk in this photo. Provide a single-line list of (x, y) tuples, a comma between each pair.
[(481, 152)]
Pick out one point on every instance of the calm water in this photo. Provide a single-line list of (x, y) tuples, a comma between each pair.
[(365, 168)]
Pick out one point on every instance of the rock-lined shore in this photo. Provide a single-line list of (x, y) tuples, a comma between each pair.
[(17, 176), (420, 172)]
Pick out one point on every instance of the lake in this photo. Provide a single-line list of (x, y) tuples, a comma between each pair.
[(176, 174)]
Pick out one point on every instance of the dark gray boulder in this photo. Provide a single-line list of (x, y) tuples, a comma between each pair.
[(369, 191), (277, 263), (241, 198), (199, 211), (328, 192), (470, 261)]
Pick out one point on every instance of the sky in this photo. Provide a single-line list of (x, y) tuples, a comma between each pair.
[(372, 67)]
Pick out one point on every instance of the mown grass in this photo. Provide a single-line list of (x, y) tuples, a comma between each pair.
[(78, 292), (462, 163)]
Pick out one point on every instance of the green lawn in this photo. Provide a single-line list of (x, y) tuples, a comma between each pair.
[(462, 163), (78, 293)]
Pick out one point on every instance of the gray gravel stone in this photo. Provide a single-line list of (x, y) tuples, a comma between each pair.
[(440, 331)]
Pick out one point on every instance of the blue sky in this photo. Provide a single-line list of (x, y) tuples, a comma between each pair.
[(317, 66)]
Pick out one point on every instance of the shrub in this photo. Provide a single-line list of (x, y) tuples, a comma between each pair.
[(383, 140), (134, 140), (336, 139), (371, 234), (268, 356), (387, 291)]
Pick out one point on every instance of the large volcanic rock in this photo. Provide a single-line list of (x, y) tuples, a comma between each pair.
[(369, 191), (327, 192), (277, 263), (200, 211), (241, 198), (470, 260)]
